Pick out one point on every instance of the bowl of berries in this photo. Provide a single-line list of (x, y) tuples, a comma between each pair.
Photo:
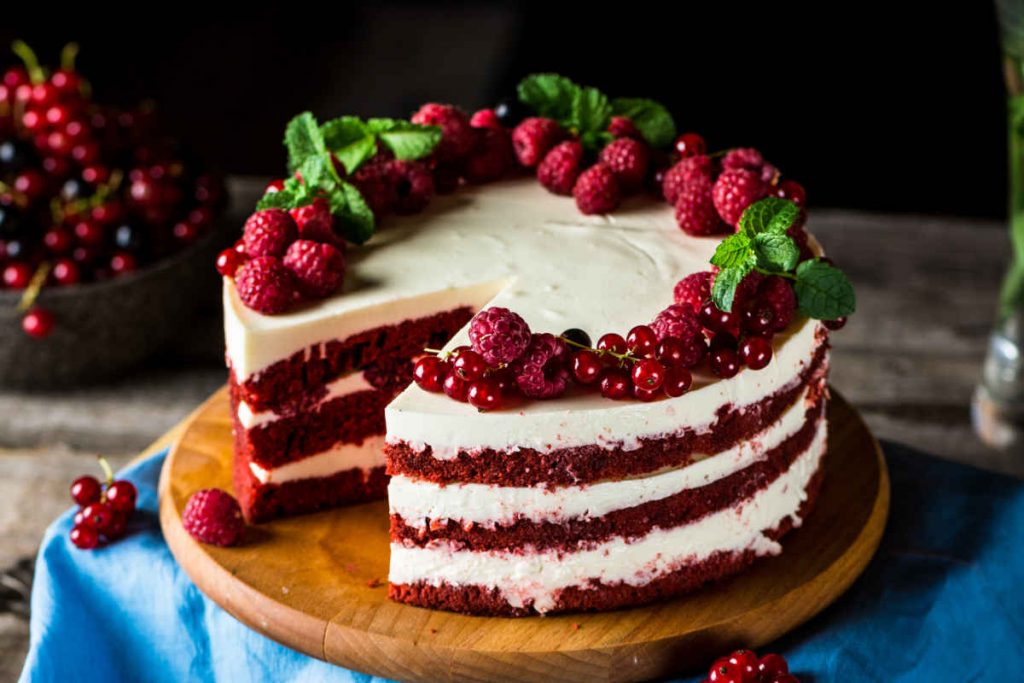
[(107, 228)]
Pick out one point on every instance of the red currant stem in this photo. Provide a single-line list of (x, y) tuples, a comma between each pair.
[(108, 472), (20, 199), (68, 56), (28, 56), (35, 285), (603, 352)]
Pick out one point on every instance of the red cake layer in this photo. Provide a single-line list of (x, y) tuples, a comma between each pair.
[(590, 463), (288, 384), (263, 502), (596, 596), (578, 534)]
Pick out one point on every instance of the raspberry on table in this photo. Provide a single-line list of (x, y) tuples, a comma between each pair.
[(596, 190), (492, 157), (412, 186), (456, 132), (735, 190), (693, 290), (695, 210), (561, 167), (688, 170), (268, 233), (318, 268), (628, 159), (213, 516), (499, 335), (265, 285), (533, 137), (541, 371)]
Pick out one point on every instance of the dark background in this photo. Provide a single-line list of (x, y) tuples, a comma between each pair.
[(882, 106)]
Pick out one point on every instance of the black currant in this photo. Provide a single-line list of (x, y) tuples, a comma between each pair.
[(510, 112), (15, 156), (130, 237), (74, 188), (577, 336)]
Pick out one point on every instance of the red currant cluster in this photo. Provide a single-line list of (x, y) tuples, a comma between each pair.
[(87, 192), (104, 509), (462, 374), (744, 666)]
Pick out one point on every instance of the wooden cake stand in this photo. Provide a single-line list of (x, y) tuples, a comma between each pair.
[(318, 583)]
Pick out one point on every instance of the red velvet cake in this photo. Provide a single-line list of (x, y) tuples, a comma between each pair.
[(516, 485)]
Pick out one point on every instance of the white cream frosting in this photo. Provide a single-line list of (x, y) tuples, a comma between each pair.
[(343, 386), (537, 577), (419, 501), (364, 456)]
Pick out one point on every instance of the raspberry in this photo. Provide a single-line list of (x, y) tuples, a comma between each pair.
[(268, 233), (540, 371), (491, 158), (316, 223), (695, 210), (561, 167), (623, 127), (447, 178), (533, 138), (628, 159), (374, 181), (693, 290), (318, 268), (688, 170), (746, 291), (265, 285), (213, 516), (499, 335), (802, 240), (751, 160), (597, 190), (456, 133), (412, 185), (485, 118), (679, 321), (735, 190), (779, 295)]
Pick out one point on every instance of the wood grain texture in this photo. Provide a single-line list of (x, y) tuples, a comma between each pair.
[(318, 583)]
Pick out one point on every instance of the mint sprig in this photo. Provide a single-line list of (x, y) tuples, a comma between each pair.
[(354, 141), (586, 111), (761, 244)]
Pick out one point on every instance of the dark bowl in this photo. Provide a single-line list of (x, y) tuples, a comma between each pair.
[(106, 327)]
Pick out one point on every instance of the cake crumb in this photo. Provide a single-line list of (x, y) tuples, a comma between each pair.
[(373, 583), (575, 627), (433, 631)]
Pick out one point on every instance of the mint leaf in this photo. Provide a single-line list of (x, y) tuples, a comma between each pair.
[(771, 214), (726, 281), (406, 139), (823, 291), (776, 253), (281, 199), (732, 252), (354, 217), (652, 119), (591, 110), (595, 139), (548, 94), (303, 140), (351, 141)]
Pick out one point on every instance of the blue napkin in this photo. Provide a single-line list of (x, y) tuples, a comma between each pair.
[(940, 602)]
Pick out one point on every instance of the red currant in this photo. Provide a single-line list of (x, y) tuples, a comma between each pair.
[(200, 216), (30, 183), (58, 142), (648, 374), (96, 174), (84, 537), (430, 372), (484, 394), (38, 323), (756, 352), (724, 671), (57, 115), (642, 341), (615, 384), (690, 145), (89, 233), (107, 213), (646, 395), (56, 167), (725, 362), (612, 342), (122, 262), (274, 186), (17, 275), (66, 82), (470, 365), (57, 241), (758, 319), (117, 527), (85, 490), (228, 262), (837, 324), (793, 191), (76, 130), (121, 495), (456, 388), (98, 516), (715, 319), (506, 380), (746, 662), (86, 154), (785, 678), (677, 381), (32, 121), (586, 366), (15, 76), (43, 94), (185, 232), (772, 665)]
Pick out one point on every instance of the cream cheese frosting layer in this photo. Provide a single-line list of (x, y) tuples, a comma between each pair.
[(536, 578), (365, 456), (420, 501), (343, 386)]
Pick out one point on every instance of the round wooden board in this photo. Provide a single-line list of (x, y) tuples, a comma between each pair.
[(318, 583)]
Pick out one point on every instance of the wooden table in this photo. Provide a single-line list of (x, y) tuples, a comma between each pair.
[(909, 360)]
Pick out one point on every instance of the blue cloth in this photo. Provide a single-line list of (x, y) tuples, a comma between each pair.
[(940, 602)]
